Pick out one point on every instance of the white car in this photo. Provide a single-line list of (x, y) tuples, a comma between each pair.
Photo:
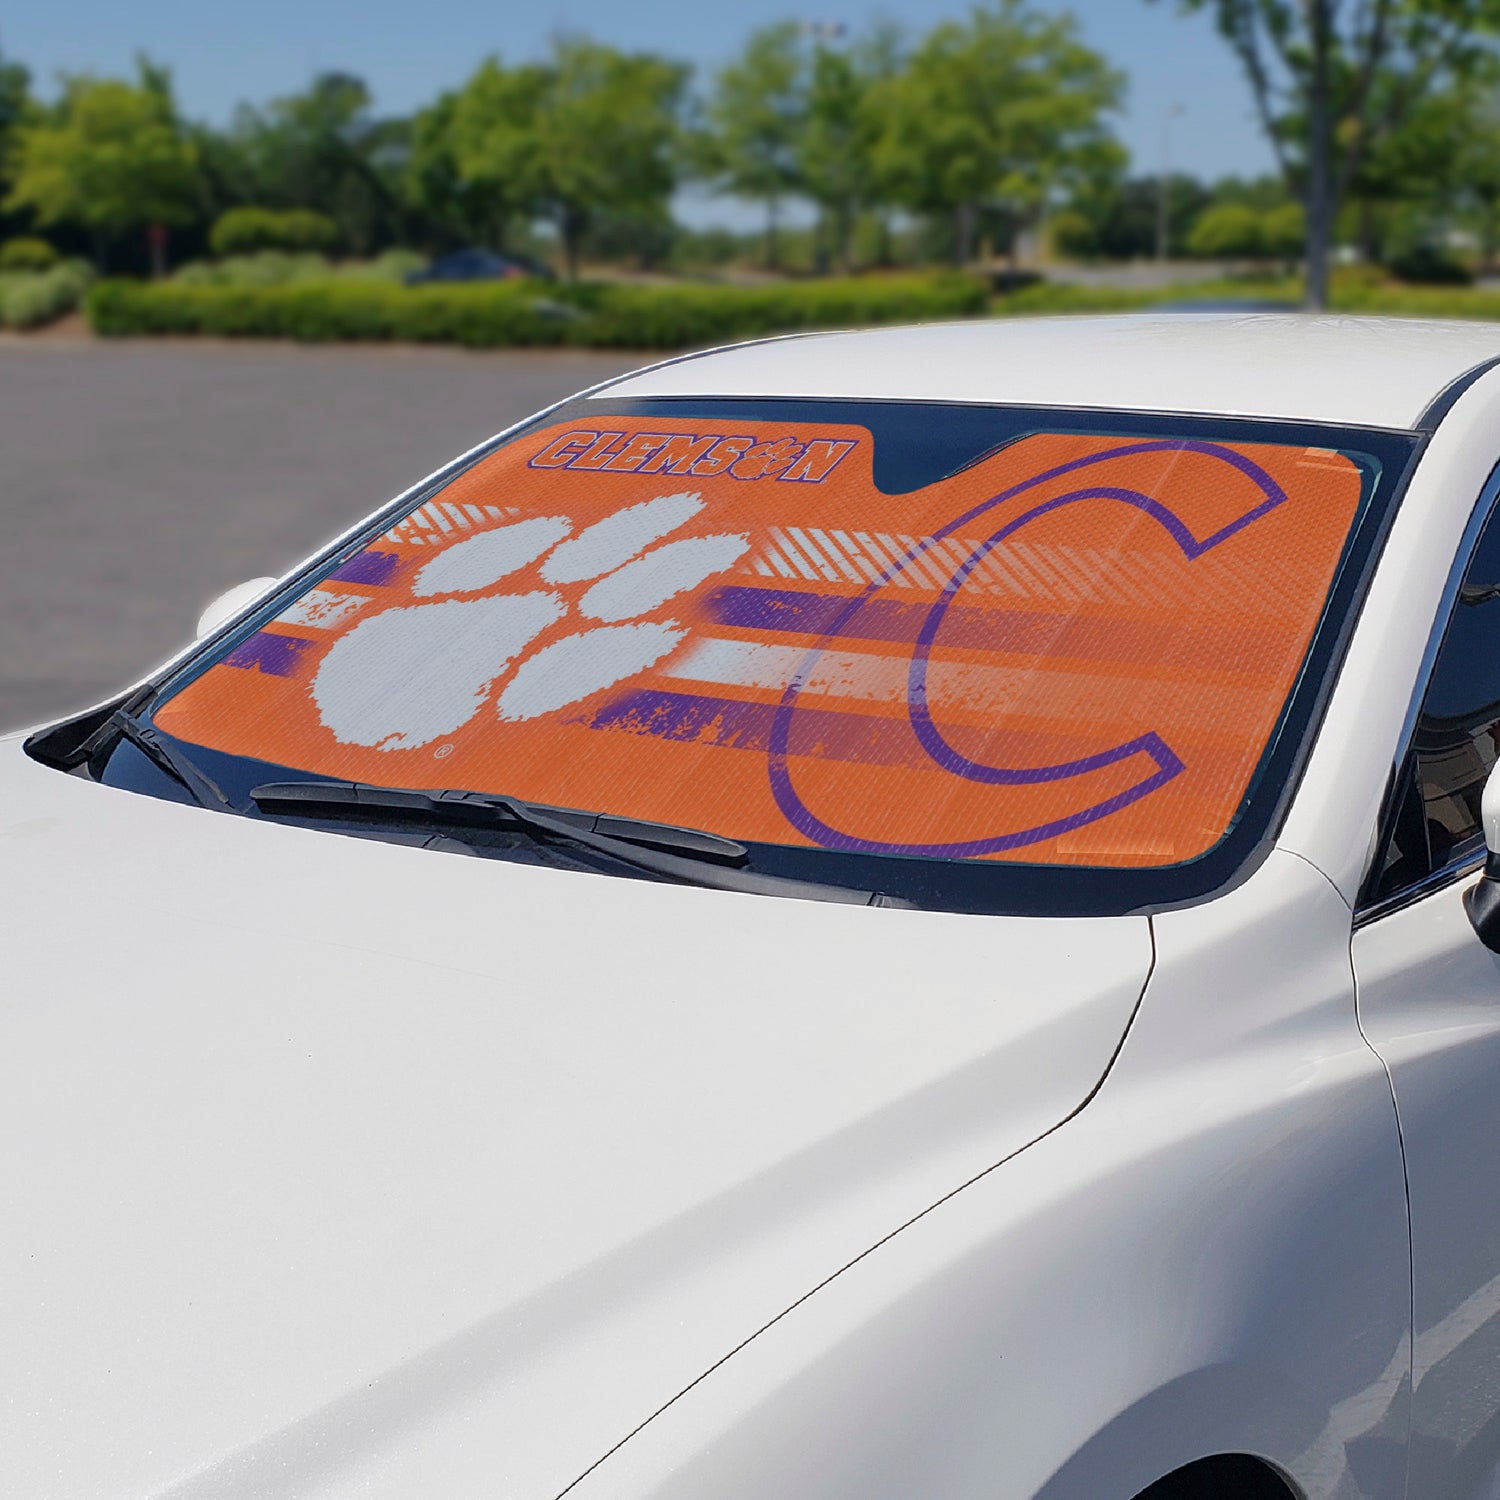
[(878, 916)]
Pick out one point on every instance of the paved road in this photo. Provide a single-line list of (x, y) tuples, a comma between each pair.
[(137, 480)]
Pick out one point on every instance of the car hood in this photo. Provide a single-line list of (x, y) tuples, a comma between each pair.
[(338, 1167)]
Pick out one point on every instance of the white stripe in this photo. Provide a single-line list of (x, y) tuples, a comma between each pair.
[(884, 556), (791, 554), (811, 551), (961, 687), (322, 609), (834, 551), (857, 557)]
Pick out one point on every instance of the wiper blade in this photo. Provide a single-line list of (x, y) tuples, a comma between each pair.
[(166, 757), (459, 805), (688, 855)]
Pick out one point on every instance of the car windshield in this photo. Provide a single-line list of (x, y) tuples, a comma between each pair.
[(890, 639)]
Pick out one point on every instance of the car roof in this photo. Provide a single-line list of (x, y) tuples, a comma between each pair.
[(1379, 372)]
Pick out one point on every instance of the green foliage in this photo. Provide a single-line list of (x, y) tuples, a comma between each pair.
[(755, 118), (1123, 212), (1284, 230), (1430, 265), (1229, 231), (26, 252), (1336, 87), (30, 299), (324, 150), (520, 313), (243, 231), (110, 156), (998, 109), (1236, 231), (279, 268), (1044, 298), (264, 268), (1072, 233), (591, 131)]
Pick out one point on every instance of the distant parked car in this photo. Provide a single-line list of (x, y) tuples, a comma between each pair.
[(479, 265)]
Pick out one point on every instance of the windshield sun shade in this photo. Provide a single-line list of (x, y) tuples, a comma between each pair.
[(1073, 651)]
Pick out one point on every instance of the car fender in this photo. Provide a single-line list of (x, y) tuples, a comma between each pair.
[(1211, 1256)]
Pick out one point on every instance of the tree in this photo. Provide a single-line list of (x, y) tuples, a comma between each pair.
[(1284, 231), (994, 112), (474, 153), (1123, 213), (1475, 165), (1228, 230), (591, 131), (323, 149), (834, 152), (16, 106), (755, 119), (110, 156), (1332, 82)]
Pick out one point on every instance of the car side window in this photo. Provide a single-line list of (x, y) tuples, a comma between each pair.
[(1435, 818)]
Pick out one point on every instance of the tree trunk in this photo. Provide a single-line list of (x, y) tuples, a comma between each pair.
[(773, 251), (156, 243), (1320, 204), (1369, 250), (845, 232), (965, 218), (571, 227)]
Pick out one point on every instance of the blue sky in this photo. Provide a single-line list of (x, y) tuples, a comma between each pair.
[(220, 53)]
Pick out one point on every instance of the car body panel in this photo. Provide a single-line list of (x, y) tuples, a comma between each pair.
[(1429, 1001), (1333, 817), (353, 1169), (333, 1143), (1210, 1257), (1376, 372)]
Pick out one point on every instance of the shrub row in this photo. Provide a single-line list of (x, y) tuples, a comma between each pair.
[(26, 252), (281, 268), (493, 315), (28, 299), (242, 231)]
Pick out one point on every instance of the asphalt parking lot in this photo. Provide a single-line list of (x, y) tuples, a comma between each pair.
[(137, 480)]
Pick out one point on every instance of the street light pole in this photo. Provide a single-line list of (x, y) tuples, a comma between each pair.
[(1164, 181)]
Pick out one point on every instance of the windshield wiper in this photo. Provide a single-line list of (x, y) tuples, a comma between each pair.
[(166, 757), (688, 855)]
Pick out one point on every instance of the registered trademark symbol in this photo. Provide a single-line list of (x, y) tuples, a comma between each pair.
[(443, 752)]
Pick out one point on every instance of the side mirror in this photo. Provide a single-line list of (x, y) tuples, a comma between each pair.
[(230, 603), (1482, 902)]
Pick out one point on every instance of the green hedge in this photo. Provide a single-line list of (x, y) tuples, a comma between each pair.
[(1420, 301), (29, 299), (493, 315), (281, 268), (27, 252), (243, 231)]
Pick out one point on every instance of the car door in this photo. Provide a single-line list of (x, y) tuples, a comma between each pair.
[(1429, 1003)]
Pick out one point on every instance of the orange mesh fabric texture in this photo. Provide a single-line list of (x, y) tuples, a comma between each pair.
[(1074, 651)]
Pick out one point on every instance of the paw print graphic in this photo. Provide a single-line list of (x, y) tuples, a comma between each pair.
[(408, 675)]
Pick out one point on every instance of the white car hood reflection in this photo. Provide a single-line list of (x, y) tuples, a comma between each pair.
[(335, 1167)]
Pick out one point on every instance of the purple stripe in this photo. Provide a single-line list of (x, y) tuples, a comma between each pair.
[(970, 628), (824, 734), (276, 655), (375, 568), (733, 724)]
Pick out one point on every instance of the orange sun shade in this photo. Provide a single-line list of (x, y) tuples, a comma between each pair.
[(1073, 652)]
